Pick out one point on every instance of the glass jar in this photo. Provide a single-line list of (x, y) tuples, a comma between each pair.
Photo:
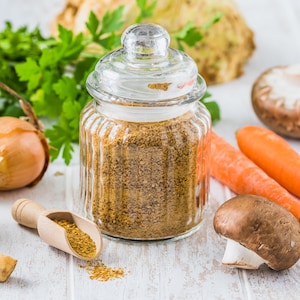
[(145, 140)]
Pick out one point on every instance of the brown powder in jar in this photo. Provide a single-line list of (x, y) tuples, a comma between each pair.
[(142, 180)]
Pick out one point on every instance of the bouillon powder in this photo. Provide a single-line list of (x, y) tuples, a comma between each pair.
[(144, 140), (147, 180), (80, 241), (99, 271)]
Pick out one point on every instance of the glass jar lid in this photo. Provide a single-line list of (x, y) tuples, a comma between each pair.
[(146, 69)]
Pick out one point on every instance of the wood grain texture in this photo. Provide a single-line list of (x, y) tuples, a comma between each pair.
[(186, 269)]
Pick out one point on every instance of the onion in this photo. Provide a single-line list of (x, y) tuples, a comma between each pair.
[(24, 150)]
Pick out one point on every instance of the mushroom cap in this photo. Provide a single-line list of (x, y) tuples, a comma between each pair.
[(275, 99), (262, 226)]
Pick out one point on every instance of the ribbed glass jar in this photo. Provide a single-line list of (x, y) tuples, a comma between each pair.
[(144, 154)]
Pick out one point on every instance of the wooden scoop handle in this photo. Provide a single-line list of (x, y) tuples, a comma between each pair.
[(26, 212)]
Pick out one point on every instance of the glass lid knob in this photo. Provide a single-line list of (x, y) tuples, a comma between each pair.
[(145, 41)]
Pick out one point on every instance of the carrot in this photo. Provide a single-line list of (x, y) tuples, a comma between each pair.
[(273, 154), (232, 168)]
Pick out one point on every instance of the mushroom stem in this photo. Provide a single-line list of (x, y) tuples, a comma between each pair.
[(239, 256)]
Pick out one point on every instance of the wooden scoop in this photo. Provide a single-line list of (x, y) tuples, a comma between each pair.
[(31, 214)]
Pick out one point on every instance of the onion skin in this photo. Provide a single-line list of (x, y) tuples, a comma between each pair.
[(24, 154)]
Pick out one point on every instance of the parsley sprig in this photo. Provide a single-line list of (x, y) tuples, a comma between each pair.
[(51, 72)]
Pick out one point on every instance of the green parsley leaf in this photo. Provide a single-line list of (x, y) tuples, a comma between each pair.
[(189, 35), (72, 110), (51, 72), (104, 32), (146, 11), (67, 152), (47, 59), (193, 35), (112, 21), (92, 25), (30, 72), (216, 18), (212, 106), (60, 143), (66, 88)]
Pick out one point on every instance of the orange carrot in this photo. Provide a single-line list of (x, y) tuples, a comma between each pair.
[(273, 154), (232, 168)]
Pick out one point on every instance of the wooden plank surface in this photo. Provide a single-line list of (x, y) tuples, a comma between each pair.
[(186, 269)]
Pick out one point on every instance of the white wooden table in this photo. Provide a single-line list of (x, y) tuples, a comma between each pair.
[(187, 269)]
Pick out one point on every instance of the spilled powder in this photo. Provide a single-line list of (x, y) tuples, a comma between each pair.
[(58, 173), (99, 271)]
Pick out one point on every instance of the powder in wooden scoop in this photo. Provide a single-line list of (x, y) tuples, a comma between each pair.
[(80, 241)]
